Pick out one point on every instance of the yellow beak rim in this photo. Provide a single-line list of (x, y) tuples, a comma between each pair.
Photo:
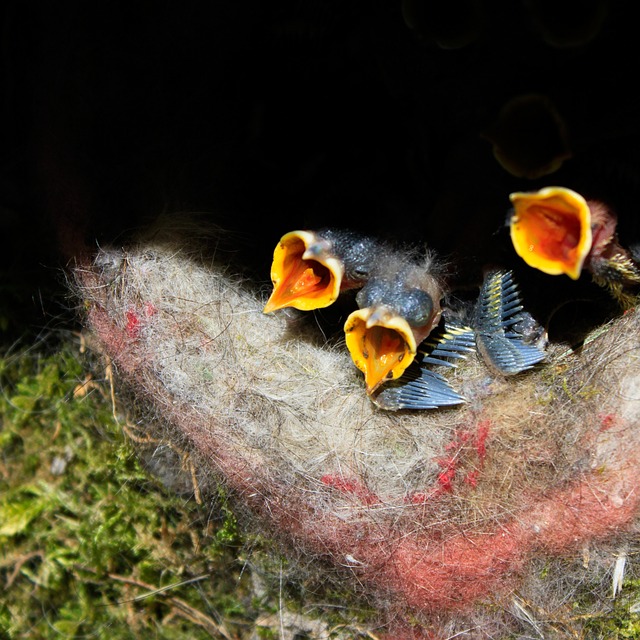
[(381, 343), (304, 274), (551, 230)]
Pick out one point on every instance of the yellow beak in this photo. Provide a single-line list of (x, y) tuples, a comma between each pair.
[(304, 273), (381, 343), (551, 230)]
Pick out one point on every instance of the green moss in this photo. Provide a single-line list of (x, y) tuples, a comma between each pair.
[(84, 530), (92, 545), (621, 619)]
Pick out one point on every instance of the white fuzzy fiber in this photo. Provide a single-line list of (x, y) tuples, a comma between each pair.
[(437, 511)]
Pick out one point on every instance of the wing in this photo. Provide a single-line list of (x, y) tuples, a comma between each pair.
[(499, 326), (421, 388)]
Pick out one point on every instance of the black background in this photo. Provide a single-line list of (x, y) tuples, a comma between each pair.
[(273, 116)]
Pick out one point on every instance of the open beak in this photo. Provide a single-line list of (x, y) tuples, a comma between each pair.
[(551, 230), (381, 343), (304, 272)]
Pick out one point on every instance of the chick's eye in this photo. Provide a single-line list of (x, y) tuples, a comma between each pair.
[(371, 294), (417, 307), (360, 271)]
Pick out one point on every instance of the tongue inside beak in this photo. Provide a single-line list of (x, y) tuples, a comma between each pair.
[(304, 274), (382, 345), (551, 230)]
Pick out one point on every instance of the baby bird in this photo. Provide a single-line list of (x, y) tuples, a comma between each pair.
[(398, 331), (558, 231), (399, 297), (311, 268), (398, 307), (507, 338)]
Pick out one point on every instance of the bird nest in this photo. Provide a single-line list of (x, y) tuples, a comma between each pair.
[(430, 512)]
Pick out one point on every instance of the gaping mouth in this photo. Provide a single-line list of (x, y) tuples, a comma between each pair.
[(382, 344), (304, 273), (551, 230)]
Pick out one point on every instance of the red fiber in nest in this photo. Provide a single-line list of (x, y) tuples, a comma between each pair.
[(430, 576), (394, 544)]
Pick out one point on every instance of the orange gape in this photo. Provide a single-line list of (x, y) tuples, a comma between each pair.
[(553, 233), (551, 230), (382, 345), (307, 280), (388, 349), (303, 275)]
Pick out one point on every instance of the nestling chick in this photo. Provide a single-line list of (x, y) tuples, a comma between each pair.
[(556, 230), (398, 307), (399, 300), (507, 338), (311, 268)]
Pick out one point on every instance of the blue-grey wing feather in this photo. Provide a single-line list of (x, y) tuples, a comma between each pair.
[(498, 318), (421, 388)]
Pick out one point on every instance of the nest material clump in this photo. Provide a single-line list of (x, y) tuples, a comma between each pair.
[(431, 511)]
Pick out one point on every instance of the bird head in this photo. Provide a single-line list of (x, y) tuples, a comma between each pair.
[(383, 335), (551, 230), (557, 231), (381, 344), (311, 268), (305, 273)]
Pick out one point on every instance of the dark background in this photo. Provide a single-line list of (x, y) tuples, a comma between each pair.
[(273, 116)]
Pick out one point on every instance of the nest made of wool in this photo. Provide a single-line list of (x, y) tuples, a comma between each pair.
[(432, 513)]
